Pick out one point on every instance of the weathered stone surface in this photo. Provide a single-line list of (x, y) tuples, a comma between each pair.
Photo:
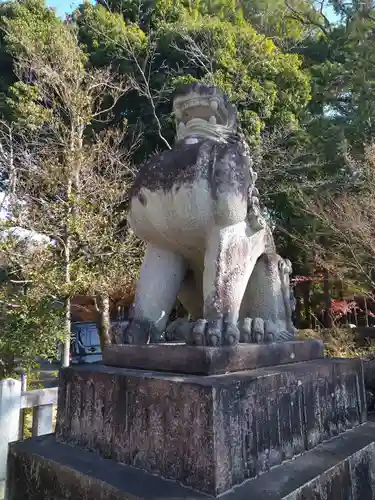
[(197, 209), (369, 373), (205, 360), (210, 433), (41, 469), (341, 469)]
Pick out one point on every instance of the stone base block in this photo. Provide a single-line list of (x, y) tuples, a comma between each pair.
[(41, 469), (209, 433), (181, 358), (341, 469)]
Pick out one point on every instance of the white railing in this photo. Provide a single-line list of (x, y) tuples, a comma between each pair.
[(13, 402)]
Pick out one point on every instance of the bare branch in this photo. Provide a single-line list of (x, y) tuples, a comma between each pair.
[(144, 88), (306, 19), (201, 54), (140, 81), (345, 236)]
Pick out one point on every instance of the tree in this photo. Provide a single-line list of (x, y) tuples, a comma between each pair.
[(69, 178), (313, 139), (303, 86), (340, 60), (7, 77), (185, 44), (344, 226), (31, 324)]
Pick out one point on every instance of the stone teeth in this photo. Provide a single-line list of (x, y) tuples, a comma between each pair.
[(214, 105), (195, 121), (193, 102), (212, 120)]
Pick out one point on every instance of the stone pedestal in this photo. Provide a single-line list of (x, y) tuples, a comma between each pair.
[(202, 360), (209, 433), (206, 433)]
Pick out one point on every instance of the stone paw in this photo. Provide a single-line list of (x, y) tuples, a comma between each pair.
[(212, 333), (257, 331), (178, 330), (135, 332)]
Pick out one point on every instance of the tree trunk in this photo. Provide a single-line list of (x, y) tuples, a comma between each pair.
[(340, 287), (67, 245), (102, 302), (66, 350), (327, 301), (72, 183), (366, 313), (355, 312), (307, 304)]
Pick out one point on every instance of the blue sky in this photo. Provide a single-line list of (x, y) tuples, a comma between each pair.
[(63, 6)]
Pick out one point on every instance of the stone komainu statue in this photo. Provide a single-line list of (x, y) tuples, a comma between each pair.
[(197, 208)]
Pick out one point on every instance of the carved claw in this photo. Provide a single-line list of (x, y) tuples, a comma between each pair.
[(245, 331), (213, 333), (129, 338), (270, 331), (179, 329), (257, 331), (218, 333), (198, 333), (116, 332), (232, 334), (134, 334)]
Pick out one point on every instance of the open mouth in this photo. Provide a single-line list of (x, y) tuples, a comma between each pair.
[(188, 110)]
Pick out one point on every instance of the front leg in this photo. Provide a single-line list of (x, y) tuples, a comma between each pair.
[(231, 254), (160, 279), (267, 298)]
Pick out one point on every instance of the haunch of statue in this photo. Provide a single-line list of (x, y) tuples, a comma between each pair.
[(197, 208)]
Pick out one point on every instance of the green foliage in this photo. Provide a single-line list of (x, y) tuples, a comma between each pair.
[(268, 86), (304, 88), (69, 179), (24, 100), (102, 32), (197, 41), (275, 19), (341, 64), (30, 328), (32, 27), (31, 320)]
